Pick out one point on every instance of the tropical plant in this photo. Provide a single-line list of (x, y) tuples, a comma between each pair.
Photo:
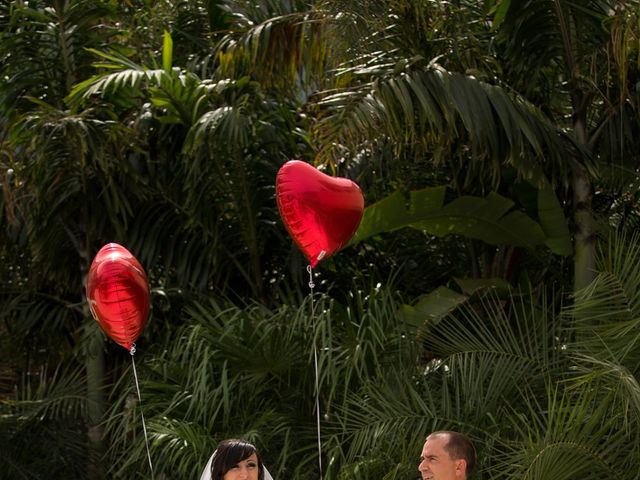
[(583, 76), (226, 147), (467, 101), (388, 378), (54, 158), (249, 372), (539, 421), (41, 425), (478, 125), (77, 171)]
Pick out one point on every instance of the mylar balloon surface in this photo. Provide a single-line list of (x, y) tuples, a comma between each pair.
[(320, 212), (118, 294)]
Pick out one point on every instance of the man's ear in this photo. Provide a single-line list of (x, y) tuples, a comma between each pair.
[(461, 468)]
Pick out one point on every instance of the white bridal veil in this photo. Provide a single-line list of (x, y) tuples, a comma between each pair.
[(206, 473)]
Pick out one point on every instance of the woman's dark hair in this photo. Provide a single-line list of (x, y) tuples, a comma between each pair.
[(231, 452)]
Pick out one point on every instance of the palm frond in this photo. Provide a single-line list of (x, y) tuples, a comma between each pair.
[(42, 431), (34, 313), (232, 368), (280, 44), (606, 313), (492, 219), (422, 106), (249, 371), (223, 122), (519, 328), (557, 439), (613, 379), (43, 49)]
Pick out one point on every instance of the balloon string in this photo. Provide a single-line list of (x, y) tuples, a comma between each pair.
[(144, 426), (315, 364)]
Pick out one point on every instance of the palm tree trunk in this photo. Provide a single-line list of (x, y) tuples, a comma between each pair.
[(585, 239), (95, 367), (95, 370), (585, 231)]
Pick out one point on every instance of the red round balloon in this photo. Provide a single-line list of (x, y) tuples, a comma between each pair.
[(320, 212), (118, 294)]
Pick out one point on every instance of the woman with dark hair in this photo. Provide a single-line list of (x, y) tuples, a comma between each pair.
[(235, 460)]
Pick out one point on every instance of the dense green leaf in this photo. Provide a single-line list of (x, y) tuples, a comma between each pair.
[(112, 129), (554, 223), (491, 220), (432, 307), (167, 52)]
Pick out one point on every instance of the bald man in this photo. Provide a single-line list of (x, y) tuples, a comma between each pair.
[(447, 455)]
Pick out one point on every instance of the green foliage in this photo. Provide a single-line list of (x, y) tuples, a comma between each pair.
[(553, 223), (161, 126), (281, 44), (607, 312), (420, 105), (249, 372), (39, 428), (492, 220)]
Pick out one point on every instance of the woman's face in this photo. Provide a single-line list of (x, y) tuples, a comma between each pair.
[(246, 469)]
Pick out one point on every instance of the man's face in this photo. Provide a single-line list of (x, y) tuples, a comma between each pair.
[(436, 464)]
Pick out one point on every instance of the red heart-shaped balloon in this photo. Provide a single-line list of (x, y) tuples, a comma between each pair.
[(118, 294), (321, 213)]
